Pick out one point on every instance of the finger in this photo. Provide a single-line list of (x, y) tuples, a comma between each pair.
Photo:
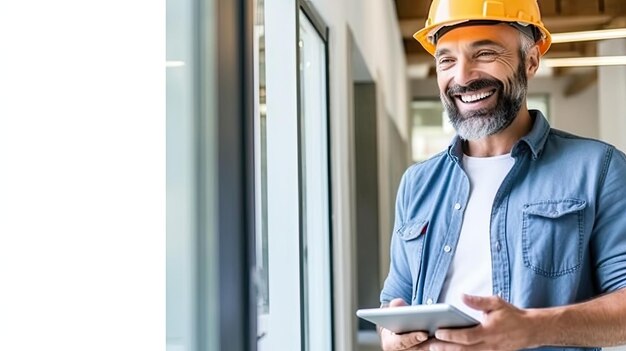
[(482, 303), (417, 337), (465, 336), (424, 346), (410, 340), (397, 302), (407, 341), (437, 345)]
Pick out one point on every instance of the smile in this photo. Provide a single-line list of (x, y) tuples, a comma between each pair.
[(469, 98)]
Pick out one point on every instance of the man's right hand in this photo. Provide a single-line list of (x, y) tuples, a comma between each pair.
[(390, 341)]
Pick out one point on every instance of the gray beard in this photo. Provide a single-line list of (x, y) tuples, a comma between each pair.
[(478, 124)]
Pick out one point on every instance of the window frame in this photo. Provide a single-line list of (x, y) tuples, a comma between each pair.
[(287, 326), (306, 7), (216, 236), (235, 82)]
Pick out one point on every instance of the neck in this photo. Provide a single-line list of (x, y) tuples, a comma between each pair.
[(502, 142)]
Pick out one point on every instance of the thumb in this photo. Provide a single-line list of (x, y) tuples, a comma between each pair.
[(482, 303), (397, 303)]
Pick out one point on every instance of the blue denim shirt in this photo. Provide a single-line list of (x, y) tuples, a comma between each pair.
[(558, 222)]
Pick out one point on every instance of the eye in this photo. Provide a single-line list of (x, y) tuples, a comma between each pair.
[(485, 54), (445, 61)]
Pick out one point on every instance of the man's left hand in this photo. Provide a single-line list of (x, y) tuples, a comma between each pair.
[(504, 327)]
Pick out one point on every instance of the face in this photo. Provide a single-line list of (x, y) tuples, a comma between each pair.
[(482, 78)]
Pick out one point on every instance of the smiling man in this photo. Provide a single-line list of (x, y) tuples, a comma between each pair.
[(518, 224)]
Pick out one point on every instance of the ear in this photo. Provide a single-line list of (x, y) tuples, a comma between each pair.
[(532, 61)]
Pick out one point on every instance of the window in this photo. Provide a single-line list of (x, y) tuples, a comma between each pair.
[(261, 274), (432, 131), (315, 187), (183, 300), (292, 196), (209, 221), (539, 102)]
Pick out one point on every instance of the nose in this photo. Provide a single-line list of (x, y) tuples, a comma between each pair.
[(465, 72)]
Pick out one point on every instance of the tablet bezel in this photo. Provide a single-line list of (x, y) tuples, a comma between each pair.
[(418, 318)]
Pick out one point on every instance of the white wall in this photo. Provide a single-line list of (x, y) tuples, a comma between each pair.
[(370, 25), (576, 114), (612, 80), (376, 32)]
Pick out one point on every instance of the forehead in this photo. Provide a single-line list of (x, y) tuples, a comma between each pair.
[(499, 34)]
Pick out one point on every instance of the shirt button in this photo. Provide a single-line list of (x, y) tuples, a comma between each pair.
[(457, 206), (447, 248), (498, 246), (429, 301)]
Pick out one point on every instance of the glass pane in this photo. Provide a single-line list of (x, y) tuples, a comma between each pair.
[(539, 102), (261, 242), (315, 186), (432, 131), (182, 300)]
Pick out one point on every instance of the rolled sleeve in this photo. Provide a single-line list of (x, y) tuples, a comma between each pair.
[(609, 233)]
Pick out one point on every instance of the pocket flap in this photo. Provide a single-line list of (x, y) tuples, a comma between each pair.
[(413, 229), (554, 208)]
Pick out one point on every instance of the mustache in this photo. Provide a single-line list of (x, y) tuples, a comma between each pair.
[(475, 85)]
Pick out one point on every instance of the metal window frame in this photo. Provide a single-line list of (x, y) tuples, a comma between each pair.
[(308, 9), (235, 162)]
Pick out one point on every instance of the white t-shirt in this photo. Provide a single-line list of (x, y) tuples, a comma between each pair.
[(470, 271)]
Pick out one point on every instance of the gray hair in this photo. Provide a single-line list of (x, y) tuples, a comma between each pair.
[(525, 44)]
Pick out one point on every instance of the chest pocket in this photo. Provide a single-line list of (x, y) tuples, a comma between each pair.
[(413, 234), (552, 236)]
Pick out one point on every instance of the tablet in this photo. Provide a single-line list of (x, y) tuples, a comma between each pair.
[(418, 318)]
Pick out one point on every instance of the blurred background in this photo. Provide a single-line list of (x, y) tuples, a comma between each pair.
[(289, 125)]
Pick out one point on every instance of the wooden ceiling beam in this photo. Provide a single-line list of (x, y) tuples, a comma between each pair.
[(412, 9), (579, 7), (412, 46), (548, 7), (419, 58), (576, 23), (570, 71), (581, 82), (615, 7), (409, 26), (617, 22)]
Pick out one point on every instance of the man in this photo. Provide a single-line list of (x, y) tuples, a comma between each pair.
[(521, 225)]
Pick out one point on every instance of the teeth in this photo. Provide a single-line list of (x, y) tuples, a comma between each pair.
[(475, 97)]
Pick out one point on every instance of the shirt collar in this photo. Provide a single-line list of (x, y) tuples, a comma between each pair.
[(537, 137), (535, 140)]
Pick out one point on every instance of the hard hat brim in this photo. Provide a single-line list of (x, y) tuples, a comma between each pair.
[(423, 35)]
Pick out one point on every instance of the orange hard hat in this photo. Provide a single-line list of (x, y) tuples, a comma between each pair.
[(447, 13)]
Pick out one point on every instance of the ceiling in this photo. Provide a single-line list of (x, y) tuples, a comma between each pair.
[(557, 15)]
